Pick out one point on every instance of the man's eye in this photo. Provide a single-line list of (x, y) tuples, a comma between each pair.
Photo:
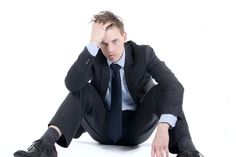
[(115, 41), (104, 44)]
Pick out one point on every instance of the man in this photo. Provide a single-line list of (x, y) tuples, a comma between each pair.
[(111, 87)]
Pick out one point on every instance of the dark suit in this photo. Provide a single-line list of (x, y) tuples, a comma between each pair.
[(87, 81)]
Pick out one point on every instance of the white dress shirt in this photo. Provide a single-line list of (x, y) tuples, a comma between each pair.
[(127, 101)]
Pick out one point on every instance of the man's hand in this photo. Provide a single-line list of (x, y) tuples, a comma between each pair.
[(98, 32), (161, 141)]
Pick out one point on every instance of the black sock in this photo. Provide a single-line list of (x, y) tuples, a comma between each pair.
[(50, 136)]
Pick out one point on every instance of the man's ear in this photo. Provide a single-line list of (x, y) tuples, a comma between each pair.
[(124, 34)]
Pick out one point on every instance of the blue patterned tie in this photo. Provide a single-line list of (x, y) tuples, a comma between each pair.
[(115, 119)]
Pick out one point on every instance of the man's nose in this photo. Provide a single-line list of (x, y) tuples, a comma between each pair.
[(110, 48)]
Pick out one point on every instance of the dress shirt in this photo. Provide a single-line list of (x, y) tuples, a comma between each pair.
[(127, 101)]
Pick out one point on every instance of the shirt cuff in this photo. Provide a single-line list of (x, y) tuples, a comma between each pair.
[(168, 118), (92, 48)]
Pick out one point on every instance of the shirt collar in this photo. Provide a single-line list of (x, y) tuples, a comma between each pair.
[(120, 62)]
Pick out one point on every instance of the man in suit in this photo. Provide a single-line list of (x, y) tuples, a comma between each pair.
[(113, 97)]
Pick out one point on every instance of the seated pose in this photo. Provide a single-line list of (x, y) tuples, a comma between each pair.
[(113, 97)]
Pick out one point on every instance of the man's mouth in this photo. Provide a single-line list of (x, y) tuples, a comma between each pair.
[(112, 55)]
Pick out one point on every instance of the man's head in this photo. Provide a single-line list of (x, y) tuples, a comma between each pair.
[(112, 44), (109, 17)]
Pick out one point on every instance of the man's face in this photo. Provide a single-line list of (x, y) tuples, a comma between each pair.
[(112, 45)]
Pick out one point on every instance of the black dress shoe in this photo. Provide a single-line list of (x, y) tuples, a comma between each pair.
[(190, 154), (38, 149)]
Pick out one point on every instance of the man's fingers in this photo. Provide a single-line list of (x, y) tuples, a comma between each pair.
[(102, 25), (160, 152), (156, 152), (153, 152), (167, 152), (107, 24)]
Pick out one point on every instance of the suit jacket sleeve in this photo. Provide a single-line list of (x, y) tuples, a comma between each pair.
[(80, 72), (170, 88)]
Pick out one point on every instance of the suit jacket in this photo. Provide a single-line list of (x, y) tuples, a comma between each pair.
[(141, 67)]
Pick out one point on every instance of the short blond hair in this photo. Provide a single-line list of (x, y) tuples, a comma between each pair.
[(108, 16)]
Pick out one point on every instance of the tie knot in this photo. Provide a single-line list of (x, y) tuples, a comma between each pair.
[(115, 67)]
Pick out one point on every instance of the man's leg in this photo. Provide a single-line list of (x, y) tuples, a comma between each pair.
[(145, 120), (180, 138), (80, 112), (84, 107)]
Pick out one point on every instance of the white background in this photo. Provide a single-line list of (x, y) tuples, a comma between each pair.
[(40, 40)]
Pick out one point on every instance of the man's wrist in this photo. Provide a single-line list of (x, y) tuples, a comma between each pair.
[(164, 126), (168, 118), (95, 42)]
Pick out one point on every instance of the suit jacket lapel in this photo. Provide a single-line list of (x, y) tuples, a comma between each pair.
[(104, 74), (129, 69), (105, 78), (105, 71)]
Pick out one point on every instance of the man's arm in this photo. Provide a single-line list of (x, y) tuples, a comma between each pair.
[(172, 96), (161, 141), (81, 71), (171, 89)]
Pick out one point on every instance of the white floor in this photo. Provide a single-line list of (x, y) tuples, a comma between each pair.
[(87, 147)]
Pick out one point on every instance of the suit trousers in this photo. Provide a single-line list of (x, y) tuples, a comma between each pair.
[(86, 111)]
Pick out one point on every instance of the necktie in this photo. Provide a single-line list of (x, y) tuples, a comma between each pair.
[(115, 118)]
